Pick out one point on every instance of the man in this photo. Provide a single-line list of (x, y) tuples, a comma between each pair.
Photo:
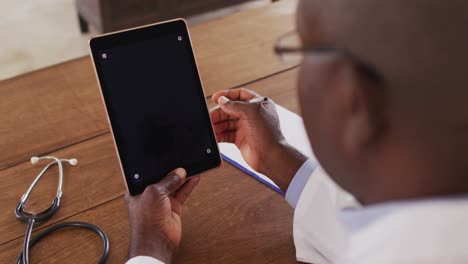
[(383, 97)]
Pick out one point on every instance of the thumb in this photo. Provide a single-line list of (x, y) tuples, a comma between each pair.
[(173, 181), (236, 109)]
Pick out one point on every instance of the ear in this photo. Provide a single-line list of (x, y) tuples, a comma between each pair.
[(341, 106), (361, 106)]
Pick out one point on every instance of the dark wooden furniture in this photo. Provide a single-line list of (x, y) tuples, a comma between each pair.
[(111, 15), (230, 217)]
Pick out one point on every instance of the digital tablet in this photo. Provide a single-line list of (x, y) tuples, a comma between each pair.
[(155, 102)]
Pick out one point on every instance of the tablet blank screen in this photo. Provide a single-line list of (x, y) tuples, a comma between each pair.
[(156, 107)]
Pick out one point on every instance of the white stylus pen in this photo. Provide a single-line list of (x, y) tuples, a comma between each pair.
[(251, 101)]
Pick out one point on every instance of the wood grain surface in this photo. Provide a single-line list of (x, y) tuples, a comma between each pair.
[(226, 202), (58, 106)]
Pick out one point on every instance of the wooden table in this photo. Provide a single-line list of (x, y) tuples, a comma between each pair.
[(230, 217)]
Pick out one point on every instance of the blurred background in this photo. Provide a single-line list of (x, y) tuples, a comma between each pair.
[(39, 33)]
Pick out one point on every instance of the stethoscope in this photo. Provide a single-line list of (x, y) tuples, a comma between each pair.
[(34, 218)]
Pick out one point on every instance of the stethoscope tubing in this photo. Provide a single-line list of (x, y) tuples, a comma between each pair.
[(23, 256), (32, 219)]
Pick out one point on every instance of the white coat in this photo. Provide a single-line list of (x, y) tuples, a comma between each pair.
[(419, 231)]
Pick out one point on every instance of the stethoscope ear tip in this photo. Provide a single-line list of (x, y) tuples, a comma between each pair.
[(73, 162), (34, 160)]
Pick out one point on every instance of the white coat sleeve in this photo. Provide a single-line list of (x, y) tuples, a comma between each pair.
[(143, 260), (318, 236)]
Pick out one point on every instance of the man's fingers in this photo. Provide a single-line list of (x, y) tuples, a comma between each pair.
[(219, 115), (235, 109), (232, 104), (128, 198), (238, 94), (181, 195), (228, 125), (172, 181), (228, 136), (184, 192), (241, 94)]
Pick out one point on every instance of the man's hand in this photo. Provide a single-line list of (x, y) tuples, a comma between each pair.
[(155, 216), (255, 129)]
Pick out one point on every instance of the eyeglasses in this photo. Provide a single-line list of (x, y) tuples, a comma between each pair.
[(290, 49)]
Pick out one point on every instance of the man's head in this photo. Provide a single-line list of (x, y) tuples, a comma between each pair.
[(399, 134)]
